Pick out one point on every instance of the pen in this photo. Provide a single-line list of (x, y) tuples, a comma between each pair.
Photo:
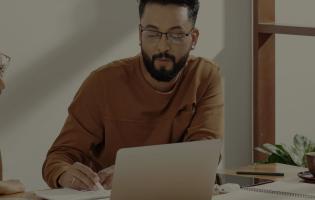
[(260, 173), (99, 186)]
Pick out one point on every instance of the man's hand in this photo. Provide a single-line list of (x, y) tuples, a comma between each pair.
[(79, 177), (11, 187), (106, 177)]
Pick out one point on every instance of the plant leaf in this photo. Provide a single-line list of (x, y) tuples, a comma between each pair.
[(261, 150), (272, 149), (295, 155), (286, 155), (303, 145), (273, 158)]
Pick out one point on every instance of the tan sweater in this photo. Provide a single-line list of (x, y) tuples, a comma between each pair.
[(115, 107)]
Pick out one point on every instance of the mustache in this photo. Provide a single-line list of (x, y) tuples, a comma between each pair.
[(163, 55)]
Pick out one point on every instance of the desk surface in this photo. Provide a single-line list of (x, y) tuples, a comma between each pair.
[(290, 174)]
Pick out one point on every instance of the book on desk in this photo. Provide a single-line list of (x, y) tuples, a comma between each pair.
[(273, 191)]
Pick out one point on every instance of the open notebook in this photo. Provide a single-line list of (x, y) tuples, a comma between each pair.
[(278, 190), (70, 194)]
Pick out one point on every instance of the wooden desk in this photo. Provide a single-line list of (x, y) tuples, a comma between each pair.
[(290, 174)]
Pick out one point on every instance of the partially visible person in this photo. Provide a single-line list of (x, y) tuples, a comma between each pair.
[(4, 61), (7, 186)]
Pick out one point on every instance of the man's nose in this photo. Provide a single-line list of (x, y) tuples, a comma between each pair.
[(163, 45)]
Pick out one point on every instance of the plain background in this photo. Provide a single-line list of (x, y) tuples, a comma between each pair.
[(56, 44)]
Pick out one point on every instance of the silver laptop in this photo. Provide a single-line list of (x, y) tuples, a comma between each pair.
[(166, 172)]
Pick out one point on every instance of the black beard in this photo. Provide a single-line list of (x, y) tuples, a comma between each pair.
[(163, 75)]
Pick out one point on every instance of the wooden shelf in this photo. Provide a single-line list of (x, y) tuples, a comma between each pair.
[(284, 29), (265, 29)]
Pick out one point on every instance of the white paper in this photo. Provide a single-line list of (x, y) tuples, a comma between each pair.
[(70, 194)]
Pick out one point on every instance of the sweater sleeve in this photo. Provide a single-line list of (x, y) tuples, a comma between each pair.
[(208, 121), (83, 130)]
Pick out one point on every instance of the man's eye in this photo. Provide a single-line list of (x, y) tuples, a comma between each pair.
[(152, 34), (177, 35)]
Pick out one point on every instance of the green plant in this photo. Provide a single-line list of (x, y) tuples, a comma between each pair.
[(291, 155)]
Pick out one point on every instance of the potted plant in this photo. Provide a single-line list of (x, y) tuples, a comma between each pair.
[(291, 155)]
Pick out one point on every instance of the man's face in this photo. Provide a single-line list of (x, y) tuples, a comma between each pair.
[(164, 58)]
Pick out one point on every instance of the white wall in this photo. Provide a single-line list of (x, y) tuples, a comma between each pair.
[(235, 60), (295, 71), (55, 44)]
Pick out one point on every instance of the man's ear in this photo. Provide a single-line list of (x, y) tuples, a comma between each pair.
[(139, 28), (195, 36)]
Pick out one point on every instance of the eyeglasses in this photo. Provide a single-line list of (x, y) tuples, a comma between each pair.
[(153, 37), (4, 62)]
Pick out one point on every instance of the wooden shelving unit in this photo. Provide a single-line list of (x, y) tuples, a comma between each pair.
[(264, 31)]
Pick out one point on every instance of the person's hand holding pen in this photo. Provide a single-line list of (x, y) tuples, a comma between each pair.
[(106, 177), (80, 177)]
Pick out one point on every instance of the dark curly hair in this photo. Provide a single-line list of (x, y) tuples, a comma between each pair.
[(4, 61), (192, 5)]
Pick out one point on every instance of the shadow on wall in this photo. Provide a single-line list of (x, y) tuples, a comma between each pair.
[(235, 64), (45, 76)]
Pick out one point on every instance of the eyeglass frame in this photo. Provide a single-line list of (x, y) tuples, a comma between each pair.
[(4, 63), (166, 34)]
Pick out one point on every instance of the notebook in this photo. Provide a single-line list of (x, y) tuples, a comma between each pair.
[(70, 194), (278, 190)]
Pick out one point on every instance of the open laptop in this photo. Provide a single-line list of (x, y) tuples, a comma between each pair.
[(166, 172)]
